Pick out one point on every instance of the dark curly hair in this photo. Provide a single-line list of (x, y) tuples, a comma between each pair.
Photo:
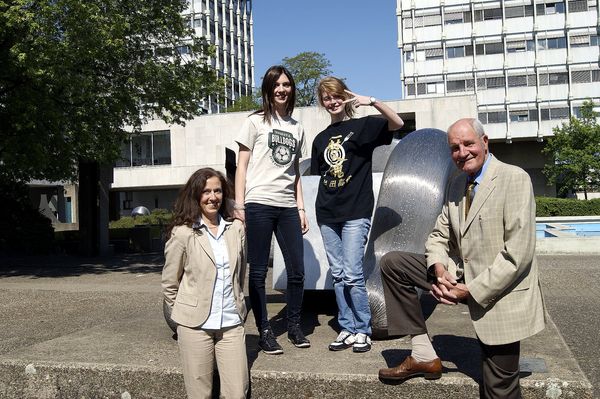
[(187, 205)]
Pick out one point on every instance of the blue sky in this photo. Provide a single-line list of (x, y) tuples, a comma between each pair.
[(359, 38)]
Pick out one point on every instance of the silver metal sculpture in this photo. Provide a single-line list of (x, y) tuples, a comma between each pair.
[(140, 211), (410, 199)]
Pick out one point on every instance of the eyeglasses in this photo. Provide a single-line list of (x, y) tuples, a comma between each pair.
[(328, 99)]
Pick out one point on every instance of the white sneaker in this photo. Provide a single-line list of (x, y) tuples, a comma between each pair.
[(362, 343), (343, 341)]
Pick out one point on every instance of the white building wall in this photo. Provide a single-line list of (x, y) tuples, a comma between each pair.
[(202, 141)]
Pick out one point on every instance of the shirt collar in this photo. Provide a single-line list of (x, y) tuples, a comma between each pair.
[(479, 175), (222, 225)]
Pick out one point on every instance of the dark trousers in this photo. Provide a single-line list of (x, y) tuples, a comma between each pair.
[(261, 222), (401, 272)]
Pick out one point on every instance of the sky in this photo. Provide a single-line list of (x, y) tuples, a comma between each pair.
[(358, 37)]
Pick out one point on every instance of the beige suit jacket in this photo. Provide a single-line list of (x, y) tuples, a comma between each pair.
[(495, 246), (190, 273)]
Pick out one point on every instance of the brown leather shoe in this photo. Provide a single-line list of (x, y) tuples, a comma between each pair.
[(411, 368)]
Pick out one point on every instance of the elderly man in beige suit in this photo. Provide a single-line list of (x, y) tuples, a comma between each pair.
[(481, 252)]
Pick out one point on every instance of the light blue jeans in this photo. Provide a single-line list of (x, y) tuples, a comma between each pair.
[(345, 247)]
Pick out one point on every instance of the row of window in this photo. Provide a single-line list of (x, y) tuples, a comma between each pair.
[(460, 85), (148, 148), (527, 115), (498, 47), (433, 17)]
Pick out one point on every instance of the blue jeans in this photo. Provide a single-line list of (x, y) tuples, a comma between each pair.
[(345, 247), (261, 222)]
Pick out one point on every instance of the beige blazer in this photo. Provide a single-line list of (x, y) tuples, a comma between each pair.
[(190, 273), (495, 246)]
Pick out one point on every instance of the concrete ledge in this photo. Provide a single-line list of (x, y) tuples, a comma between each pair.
[(43, 380)]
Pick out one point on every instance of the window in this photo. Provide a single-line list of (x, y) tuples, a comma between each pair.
[(558, 78), (492, 117), (460, 85), (409, 55), (454, 18), (551, 8), (128, 200), (580, 40), (410, 90), (494, 82), (554, 113), (490, 48), (581, 76), (516, 46), (519, 11), (147, 148), (552, 43), (434, 53), (578, 6), (596, 75), (455, 52), (519, 116), (488, 14), (516, 81)]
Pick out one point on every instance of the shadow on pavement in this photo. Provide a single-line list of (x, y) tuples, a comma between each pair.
[(67, 266)]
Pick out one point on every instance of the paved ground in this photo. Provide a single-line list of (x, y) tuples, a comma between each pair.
[(572, 296), (95, 326)]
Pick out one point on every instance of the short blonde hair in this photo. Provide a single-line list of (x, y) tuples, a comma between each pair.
[(333, 85)]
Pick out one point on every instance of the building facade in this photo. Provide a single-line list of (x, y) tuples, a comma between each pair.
[(226, 25), (529, 63), (152, 178)]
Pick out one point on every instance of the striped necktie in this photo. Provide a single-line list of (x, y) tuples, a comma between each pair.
[(469, 194)]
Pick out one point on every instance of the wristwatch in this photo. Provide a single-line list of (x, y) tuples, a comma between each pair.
[(372, 100)]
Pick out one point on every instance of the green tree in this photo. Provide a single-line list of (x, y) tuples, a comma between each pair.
[(575, 153), (77, 76), (245, 103), (307, 68)]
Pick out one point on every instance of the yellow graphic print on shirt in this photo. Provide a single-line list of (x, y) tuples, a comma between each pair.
[(335, 156)]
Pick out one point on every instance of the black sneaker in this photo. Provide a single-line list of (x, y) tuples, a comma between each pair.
[(268, 343), (296, 337)]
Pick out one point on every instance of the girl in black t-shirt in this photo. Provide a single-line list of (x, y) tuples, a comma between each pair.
[(342, 156)]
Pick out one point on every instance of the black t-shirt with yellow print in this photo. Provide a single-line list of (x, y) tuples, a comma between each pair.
[(342, 156)]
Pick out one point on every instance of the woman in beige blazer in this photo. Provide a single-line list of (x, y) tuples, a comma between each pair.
[(202, 282)]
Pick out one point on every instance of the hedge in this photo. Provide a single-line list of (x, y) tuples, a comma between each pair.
[(157, 217), (547, 206)]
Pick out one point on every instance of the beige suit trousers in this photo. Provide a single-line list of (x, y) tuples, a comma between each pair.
[(200, 348)]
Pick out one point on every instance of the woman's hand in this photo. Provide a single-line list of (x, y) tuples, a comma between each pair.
[(357, 100), (303, 221)]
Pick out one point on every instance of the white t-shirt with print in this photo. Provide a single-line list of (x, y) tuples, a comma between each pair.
[(275, 146)]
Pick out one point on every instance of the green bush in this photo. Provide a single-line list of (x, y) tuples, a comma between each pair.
[(547, 206), (157, 217)]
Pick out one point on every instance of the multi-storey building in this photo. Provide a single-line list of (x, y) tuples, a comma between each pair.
[(529, 63), (227, 25)]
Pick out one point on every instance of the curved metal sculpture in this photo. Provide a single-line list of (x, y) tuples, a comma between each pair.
[(410, 199)]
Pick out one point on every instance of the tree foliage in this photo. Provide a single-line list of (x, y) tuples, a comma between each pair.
[(575, 153), (245, 103), (307, 68), (76, 76)]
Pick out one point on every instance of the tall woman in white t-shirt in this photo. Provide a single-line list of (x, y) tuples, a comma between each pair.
[(268, 196)]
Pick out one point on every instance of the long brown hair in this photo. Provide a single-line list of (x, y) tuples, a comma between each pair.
[(268, 83), (187, 205), (333, 85)]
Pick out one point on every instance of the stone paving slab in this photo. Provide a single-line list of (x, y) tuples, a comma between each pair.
[(67, 334)]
